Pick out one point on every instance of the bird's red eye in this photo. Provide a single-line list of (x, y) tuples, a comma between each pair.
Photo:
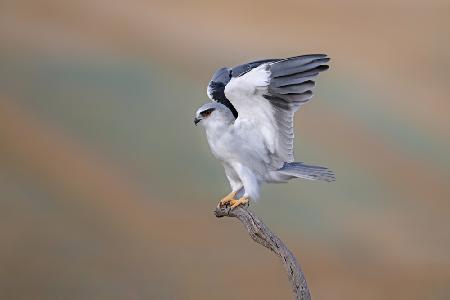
[(206, 113)]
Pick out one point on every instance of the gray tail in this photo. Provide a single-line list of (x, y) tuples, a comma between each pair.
[(300, 170)]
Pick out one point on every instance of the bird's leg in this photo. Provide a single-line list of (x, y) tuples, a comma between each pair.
[(228, 198), (242, 201)]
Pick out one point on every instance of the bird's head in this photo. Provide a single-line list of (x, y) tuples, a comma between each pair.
[(212, 113)]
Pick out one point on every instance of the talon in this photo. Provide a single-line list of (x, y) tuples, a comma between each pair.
[(227, 199), (241, 201)]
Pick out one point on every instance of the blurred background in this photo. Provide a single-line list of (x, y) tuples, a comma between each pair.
[(107, 188)]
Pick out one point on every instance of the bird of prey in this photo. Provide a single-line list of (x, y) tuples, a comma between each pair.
[(249, 122)]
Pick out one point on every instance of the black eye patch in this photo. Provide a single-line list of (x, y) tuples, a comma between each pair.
[(207, 112)]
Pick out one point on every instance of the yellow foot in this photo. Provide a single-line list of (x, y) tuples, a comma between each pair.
[(241, 201), (228, 198)]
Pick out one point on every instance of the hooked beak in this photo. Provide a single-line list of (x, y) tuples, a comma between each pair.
[(196, 121)]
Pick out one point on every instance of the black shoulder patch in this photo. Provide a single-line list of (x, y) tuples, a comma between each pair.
[(217, 88)]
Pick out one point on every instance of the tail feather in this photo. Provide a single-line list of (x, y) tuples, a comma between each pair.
[(301, 170)]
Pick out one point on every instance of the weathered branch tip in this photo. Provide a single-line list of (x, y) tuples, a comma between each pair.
[(261, 234)]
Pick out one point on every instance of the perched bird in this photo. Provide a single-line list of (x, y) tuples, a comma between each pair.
[(249, 123)]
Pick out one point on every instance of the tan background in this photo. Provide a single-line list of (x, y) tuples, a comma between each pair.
[(107, 188)]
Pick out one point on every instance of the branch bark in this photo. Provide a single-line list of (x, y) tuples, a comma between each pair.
[(261, 234)]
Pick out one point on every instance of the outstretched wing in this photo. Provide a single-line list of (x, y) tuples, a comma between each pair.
[(267, 95), (216, 87)]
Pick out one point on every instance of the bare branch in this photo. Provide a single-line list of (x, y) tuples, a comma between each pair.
[(261, 234)]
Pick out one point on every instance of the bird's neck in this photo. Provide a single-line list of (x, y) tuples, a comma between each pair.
[(215, 130)]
